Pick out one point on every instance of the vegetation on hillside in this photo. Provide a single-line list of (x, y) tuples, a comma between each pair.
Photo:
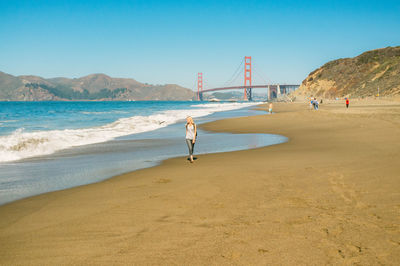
[(65, 92), (91, 87), (359, 76)]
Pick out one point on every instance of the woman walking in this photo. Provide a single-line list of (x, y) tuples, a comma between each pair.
[(191, 133)]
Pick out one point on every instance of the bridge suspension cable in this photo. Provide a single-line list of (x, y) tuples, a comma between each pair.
[(194, 85), (245, 67), (239, 74), (260, 74), (235, 74), (207, 85)]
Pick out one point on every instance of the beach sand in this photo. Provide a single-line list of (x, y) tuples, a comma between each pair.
[(330, 195)]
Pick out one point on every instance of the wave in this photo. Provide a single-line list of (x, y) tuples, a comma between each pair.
[(233, 105), (20, 144), (8, 121), (101, 113)]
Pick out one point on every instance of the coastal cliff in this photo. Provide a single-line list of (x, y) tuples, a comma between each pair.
[(91, 87), (360, 76)]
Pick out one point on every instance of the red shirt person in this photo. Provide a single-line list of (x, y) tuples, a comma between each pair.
[(347, 102)]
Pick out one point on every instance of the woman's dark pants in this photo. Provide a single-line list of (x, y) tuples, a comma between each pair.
[(190, 145)]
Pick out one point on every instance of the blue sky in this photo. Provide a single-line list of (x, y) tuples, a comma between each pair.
[(170, 41)]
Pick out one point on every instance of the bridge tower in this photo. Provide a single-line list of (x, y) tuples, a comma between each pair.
[(199, 86), (247, 78), (278, 91)]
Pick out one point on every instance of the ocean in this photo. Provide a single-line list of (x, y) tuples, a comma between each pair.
[(48, 146)]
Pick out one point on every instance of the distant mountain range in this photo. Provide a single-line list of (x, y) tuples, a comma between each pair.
[(91, 87), (224, 95), (359, 76)]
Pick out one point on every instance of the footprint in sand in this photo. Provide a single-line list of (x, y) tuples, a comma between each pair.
[(348, 194), (163, 180)]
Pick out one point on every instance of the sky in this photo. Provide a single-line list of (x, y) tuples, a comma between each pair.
[(169, 42)]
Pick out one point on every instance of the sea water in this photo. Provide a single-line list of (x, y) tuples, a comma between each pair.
[(29, 129), (48, 146)]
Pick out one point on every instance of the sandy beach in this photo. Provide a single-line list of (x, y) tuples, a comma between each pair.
[(330, 195)]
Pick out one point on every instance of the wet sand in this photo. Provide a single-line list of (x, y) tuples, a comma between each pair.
[(331, 195)]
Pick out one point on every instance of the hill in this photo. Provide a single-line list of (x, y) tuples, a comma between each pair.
[(91, 87), (234, 95), (357, 77), (224, 96)]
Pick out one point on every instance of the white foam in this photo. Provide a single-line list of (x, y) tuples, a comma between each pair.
[(21, 144), (8, 121), (230, 106), (101, 113)]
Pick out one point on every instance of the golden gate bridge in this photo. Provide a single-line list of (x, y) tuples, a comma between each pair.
[(273, 90)]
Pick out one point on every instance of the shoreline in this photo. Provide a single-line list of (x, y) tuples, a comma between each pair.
[(123, 155), (328, 195)]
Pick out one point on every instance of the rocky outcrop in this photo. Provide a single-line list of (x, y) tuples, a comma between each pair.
[(356, 77)]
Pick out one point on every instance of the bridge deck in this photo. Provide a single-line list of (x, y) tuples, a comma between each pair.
[(249, 87)]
